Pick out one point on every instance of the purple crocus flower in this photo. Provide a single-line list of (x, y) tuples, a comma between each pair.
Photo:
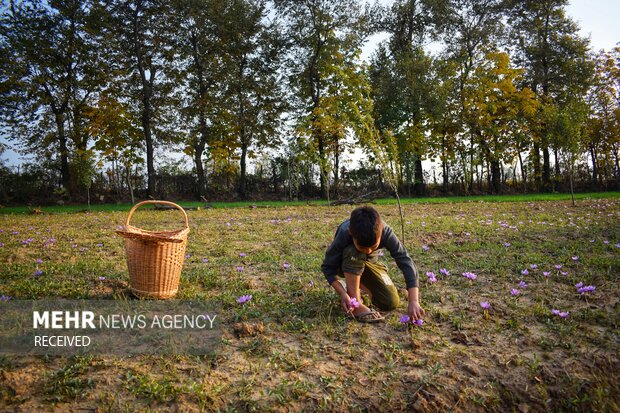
[(39, 261), (565, 273), (311, 283), (286, 265), (579, 285), (244, 299), (514, 292), (558, 266), (525, 272), (443, 271), (586, 289), (425, 247), (187, 256), (1, 244), (38, 273), (469, 275), (485, 305), (506, 244), (5, 298), (605, 242), (418, 322), (354, 303), (239, 269), (533, 266), (562, 314), (242, 254), (205, 260), (101, 278), (522, 284), (380, 253), (546, 273), (431, 277), (404, 319)]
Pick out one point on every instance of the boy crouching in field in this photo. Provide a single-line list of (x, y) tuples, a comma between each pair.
[(354, 254)]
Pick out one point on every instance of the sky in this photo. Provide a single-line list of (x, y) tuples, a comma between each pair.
[(598, 19)]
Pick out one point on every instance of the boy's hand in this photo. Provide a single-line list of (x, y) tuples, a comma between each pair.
[(345, 301), (414, 311)]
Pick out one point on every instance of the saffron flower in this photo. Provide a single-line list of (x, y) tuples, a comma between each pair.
[(506, 244), (546, 273), (485, 305), (39, 261), (101, 278), (579, 285), (405, 319), (38, 273), (311, 283), (469, 275), (5, 298), (239, 269), (205, 260), (533, 266), (242, 254), (187, 256), (1, 244), (525, 272), (514, 292), (564, 273), (244, 299), (522, 284), (586, 289), (558, 266), (286, 265), (380, 253), (559, 313), (443, 271), (431, 277), (425, 247), (575, 258), (353, 303)]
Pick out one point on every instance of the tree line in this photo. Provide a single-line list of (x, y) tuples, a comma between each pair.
[(510, 97)]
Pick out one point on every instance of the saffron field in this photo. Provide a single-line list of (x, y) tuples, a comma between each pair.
[(521, 300)]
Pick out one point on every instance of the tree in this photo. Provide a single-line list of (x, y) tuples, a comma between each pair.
[(554, 57), (493, 108), (326, 38), (143, 55), (51, 70)]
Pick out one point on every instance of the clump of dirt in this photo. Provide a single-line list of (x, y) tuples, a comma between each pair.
[(248, 329)]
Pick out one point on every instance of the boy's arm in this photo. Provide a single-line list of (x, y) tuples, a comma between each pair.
[(403, 260), (333, 256), (410, 272)]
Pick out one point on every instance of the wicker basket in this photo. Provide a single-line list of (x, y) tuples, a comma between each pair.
[(154, 259)]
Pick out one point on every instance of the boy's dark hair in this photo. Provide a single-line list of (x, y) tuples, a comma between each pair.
[(365, 226)]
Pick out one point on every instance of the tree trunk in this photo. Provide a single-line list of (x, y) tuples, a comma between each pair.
[(496, 176), (536, 162), (419, 187), (594, 167), (64, 152), (201, 188), (242, 177)]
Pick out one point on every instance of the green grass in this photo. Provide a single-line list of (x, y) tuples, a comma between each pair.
[(308, 356), (282, 204)]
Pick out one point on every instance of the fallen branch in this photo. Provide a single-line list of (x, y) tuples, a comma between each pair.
[(358, 199)]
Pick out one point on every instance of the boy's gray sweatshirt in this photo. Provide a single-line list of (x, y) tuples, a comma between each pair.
[(342, 239)]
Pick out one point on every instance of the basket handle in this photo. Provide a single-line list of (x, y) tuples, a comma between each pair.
[(139, 204)]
